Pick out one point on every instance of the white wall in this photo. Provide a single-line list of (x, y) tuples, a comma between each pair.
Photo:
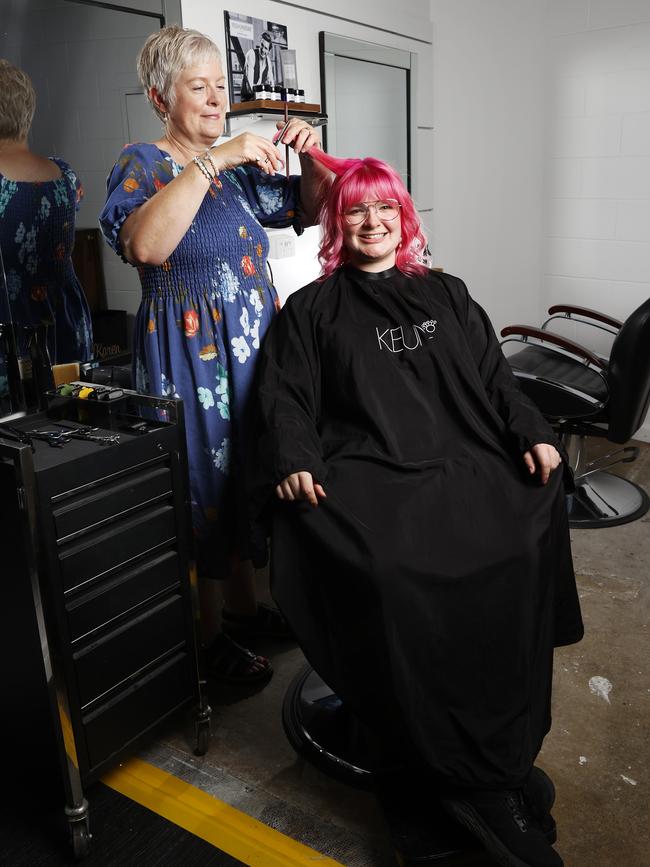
[(597, 222), (488, 151)]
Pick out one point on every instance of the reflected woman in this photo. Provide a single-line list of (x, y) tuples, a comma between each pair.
[(38, 201)]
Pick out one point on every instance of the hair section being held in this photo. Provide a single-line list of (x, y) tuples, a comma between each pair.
[(359, 180)]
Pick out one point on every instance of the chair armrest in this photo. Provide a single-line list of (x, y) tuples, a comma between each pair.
[(587, 313), (571, 346)]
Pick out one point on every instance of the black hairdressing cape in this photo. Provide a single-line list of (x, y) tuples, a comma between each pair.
[(429, 588)]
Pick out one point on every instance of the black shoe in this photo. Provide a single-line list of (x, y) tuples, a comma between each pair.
[(539, 793), (503, 824)]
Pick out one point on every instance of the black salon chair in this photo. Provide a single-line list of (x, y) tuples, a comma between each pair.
[(322, 730), (585, 394)]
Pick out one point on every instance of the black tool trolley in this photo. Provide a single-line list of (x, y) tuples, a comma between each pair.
[(99, 612)]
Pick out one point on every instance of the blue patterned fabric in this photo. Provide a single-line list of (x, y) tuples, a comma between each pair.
[(198, 330), (37, 221)]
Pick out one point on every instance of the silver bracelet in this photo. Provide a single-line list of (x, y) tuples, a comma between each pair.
[(208, 156), (199, 162)]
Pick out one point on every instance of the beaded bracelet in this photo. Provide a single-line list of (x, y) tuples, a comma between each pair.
[(208, 156), (199, 162)]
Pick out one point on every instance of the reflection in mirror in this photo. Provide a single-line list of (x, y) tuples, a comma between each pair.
[(11, 393), (81, 61), (362, 78), (38, 201)]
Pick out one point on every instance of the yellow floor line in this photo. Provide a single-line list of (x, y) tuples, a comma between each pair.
[(218, 823)]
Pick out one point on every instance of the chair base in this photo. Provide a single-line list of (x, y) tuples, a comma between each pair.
[(604, 500), (319, 727)]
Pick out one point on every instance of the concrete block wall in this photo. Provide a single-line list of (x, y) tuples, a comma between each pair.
[(488, 97), (597, 209)]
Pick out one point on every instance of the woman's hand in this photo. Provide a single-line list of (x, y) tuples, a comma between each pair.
[(247, 149), (543, 457), (300, 486), (299, 135)]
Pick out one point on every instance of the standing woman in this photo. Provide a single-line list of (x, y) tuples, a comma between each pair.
[(420, 547), (38, 201), (190, 216)]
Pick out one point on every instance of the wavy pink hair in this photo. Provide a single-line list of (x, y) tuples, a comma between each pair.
[(356, 180)]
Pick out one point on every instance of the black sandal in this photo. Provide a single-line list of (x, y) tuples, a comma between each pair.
[(229, 662), (267, 623)]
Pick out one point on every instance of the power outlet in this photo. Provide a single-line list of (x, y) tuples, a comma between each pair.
[(282, 246)]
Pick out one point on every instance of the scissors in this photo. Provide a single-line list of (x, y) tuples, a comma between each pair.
[(278, 136)]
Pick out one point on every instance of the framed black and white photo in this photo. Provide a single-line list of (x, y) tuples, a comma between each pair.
[(254, 50)]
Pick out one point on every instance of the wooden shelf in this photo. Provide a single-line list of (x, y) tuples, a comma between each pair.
[(274, 108), (272, 105)]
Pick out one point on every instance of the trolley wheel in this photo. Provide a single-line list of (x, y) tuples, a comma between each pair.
[(80, 838), (202, 733)]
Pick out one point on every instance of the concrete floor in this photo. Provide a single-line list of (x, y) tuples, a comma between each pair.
[(598, 752)]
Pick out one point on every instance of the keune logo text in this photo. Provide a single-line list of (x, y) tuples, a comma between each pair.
[(406, 336)]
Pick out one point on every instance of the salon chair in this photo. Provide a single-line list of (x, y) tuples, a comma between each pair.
[(321, 729), (585, 394)]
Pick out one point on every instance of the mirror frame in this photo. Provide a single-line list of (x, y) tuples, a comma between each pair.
[(332, 46)]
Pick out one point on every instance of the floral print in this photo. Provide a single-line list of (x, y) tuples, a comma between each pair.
[(191, 320), (228, 285), (205, 397), (37, 222), (7, 191), (269, 199), (241, 349), (221, 457), (210, 303)]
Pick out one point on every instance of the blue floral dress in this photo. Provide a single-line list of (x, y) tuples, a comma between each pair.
[(198, 329), (37, 221)]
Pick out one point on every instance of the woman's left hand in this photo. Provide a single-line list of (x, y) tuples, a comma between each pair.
[(543, 457), (299, 135)]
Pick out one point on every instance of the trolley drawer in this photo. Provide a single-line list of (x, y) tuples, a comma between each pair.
[(125, 651), (143, 704), (109, 598), (105, 500), (115, 546)]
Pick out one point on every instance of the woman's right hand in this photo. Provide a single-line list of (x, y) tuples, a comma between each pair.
[(300, 486), (247, 149)]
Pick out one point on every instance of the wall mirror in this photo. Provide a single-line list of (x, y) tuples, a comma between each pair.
[(367, 93)]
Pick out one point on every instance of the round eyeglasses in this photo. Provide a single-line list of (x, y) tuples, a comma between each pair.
[(386, 210)]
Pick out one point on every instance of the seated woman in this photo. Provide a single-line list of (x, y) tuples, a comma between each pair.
[(431, 583)]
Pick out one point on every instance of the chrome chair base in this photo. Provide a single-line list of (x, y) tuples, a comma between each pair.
[(602, 499), (320, 728)]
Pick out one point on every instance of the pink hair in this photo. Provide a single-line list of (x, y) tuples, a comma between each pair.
[(356, 179)]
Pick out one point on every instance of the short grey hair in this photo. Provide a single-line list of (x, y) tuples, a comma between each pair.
[(17, 102), (166, 53)]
